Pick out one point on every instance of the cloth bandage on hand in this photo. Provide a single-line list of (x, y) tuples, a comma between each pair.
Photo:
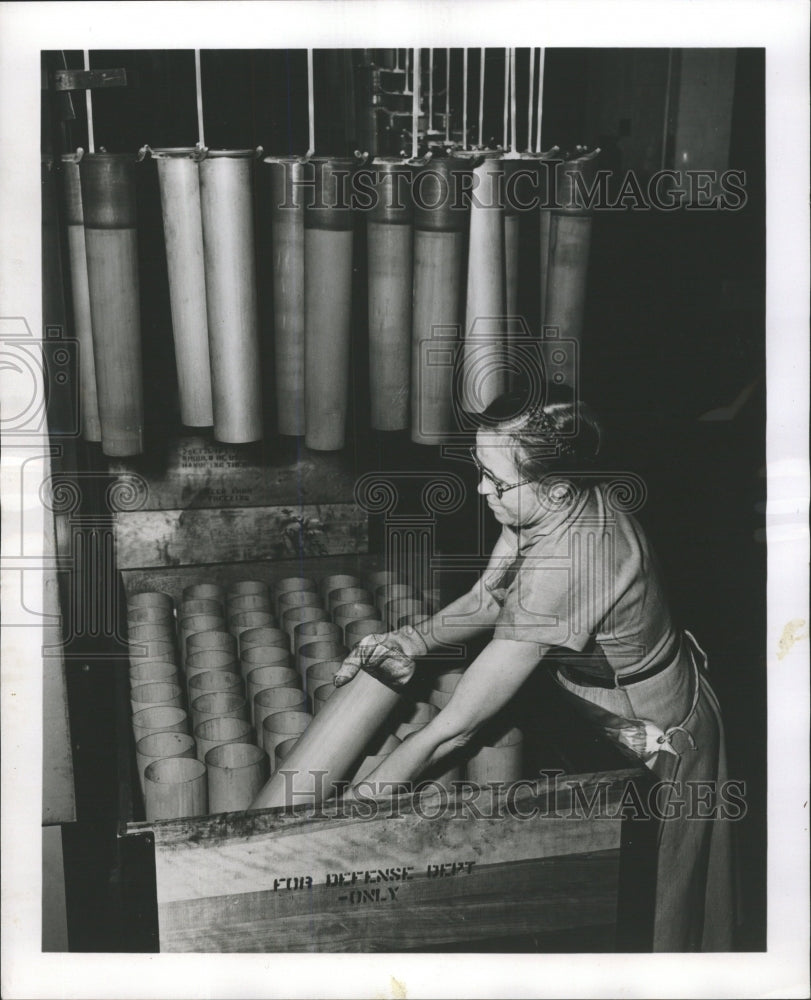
[(389, 657)]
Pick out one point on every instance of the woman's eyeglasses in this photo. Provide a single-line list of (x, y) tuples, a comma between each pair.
[(498, 486)]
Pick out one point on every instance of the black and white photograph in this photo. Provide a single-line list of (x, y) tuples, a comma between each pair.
[(405, 494)]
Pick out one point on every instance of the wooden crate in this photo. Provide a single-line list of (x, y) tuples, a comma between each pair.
[(305, 880), (439, 872), (481, 875)]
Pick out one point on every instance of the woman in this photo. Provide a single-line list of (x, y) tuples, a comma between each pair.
[(572, 583)]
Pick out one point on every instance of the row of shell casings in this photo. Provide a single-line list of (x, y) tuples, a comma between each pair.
[(207, 206), (418, 271), (242, 678)]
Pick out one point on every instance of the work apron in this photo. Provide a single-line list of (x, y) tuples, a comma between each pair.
[(672, 722)]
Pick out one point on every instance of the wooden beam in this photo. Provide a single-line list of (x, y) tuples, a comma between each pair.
[(197, 472), (147, 539), (58, 788), (54, 904), (89, 79)]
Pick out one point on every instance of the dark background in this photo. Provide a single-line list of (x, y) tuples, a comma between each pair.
[(674, 329)]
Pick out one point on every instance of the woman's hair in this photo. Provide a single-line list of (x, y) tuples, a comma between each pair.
[(553, 432)]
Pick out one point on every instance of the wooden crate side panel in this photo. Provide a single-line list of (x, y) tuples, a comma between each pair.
[(530, 897), (194, 871), (224, 878), (196, 472), (240, 534), (542, 795)]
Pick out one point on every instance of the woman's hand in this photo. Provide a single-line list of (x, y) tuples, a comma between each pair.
[(388, 656)]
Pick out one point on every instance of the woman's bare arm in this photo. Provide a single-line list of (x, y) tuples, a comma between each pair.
[(473, 612), (486, 687)]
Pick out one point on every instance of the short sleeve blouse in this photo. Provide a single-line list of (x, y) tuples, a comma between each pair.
[(585, 584)]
